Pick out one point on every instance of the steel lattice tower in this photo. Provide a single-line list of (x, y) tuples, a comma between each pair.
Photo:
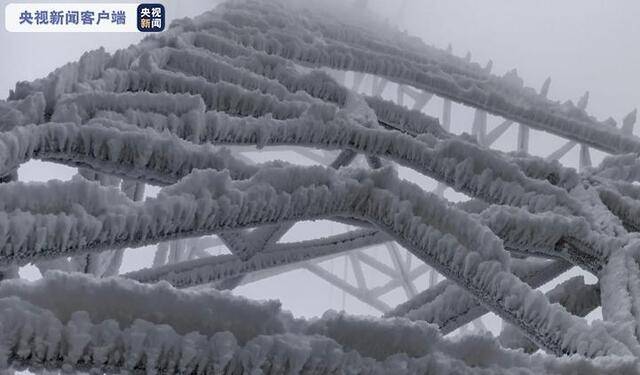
[(186, 110)]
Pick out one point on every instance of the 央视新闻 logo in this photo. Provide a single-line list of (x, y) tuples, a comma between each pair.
[(151, 17)]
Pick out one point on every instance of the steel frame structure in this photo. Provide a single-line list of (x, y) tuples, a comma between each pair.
[(164, 88)]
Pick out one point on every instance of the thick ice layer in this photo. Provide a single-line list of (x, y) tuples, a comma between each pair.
[(450, 307), (550, 235), (142, 155), (576, 296), (21, 112), (207, 202), (497, 95), (149, 114), (35, 337)]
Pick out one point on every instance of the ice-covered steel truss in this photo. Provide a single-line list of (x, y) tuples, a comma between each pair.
[(180, 110)]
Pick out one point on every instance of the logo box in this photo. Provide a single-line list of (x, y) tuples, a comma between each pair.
[(150, 17)]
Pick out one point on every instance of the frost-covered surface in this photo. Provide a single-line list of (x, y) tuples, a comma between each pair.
[(170, 110), (91, 333)]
